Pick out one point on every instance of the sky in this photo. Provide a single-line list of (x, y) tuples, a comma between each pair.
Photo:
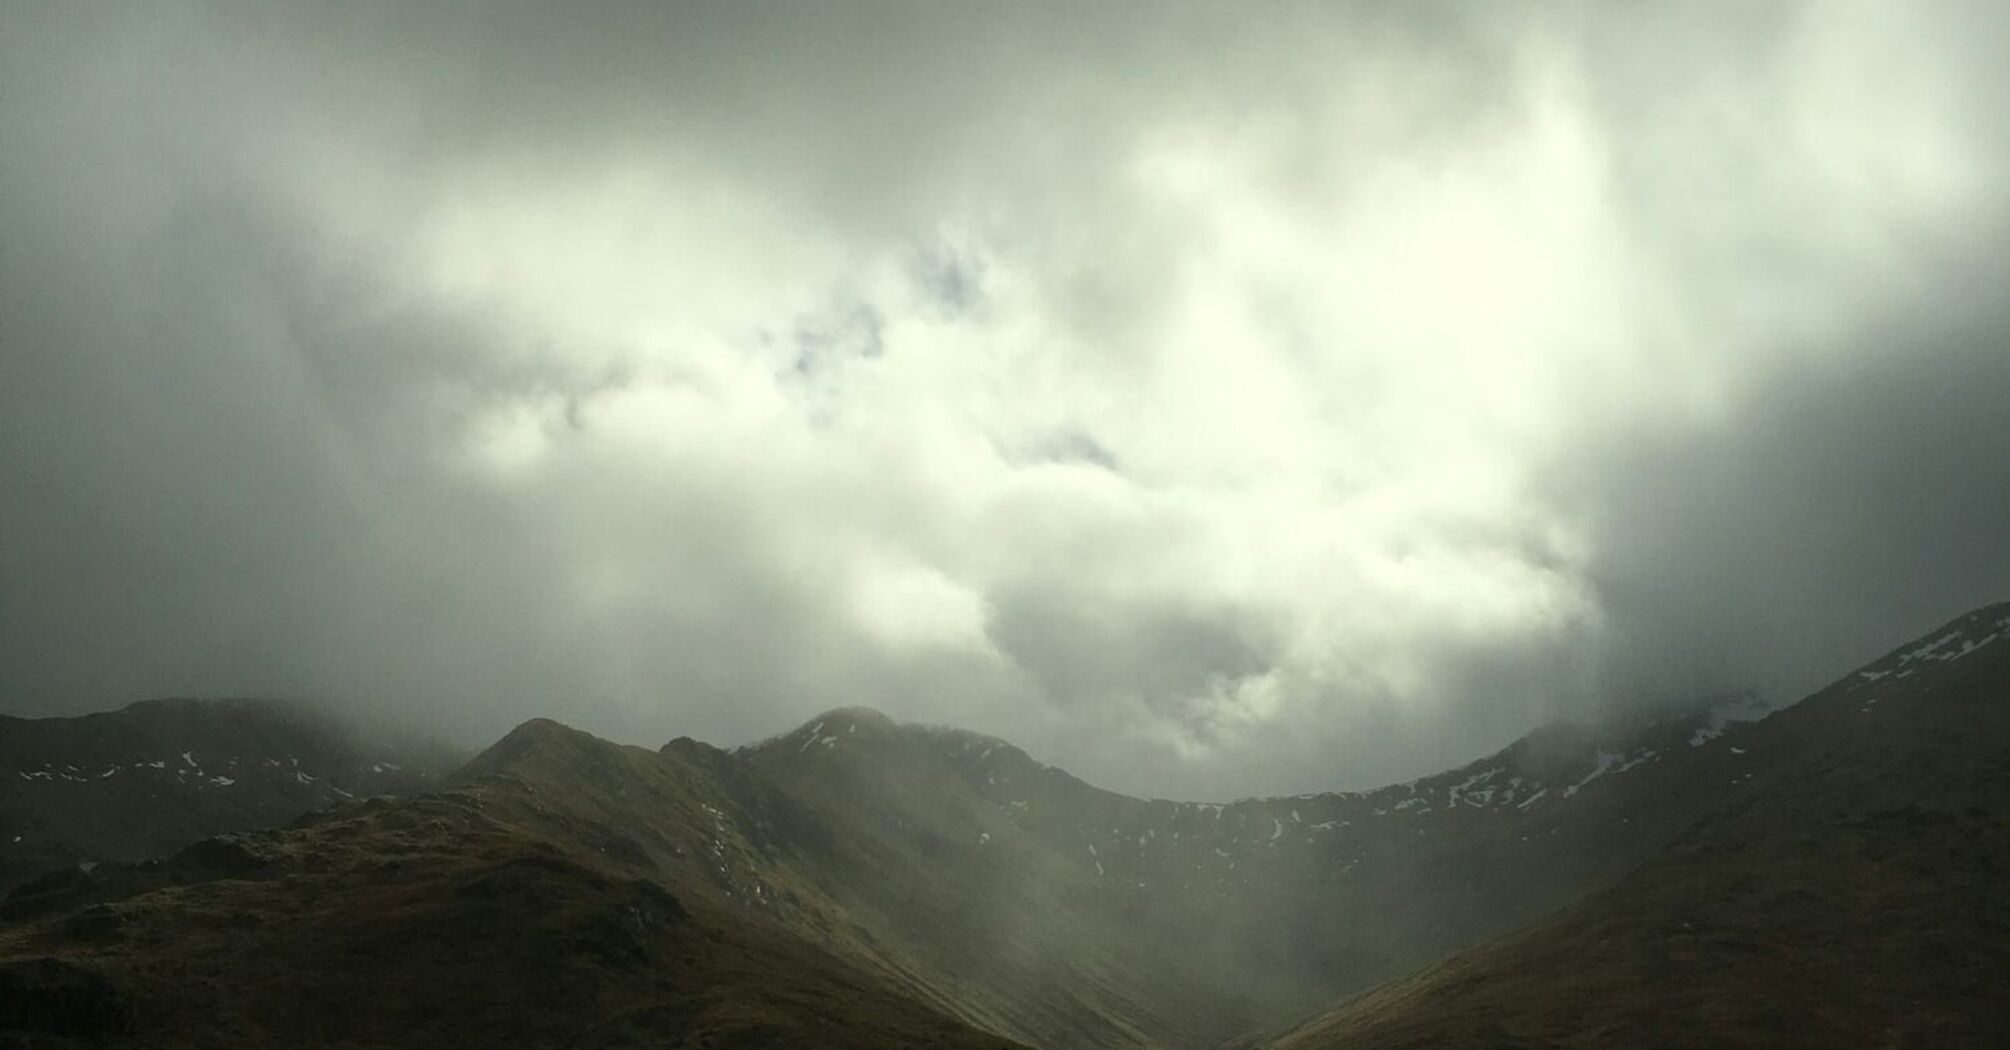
[(1212, 400)]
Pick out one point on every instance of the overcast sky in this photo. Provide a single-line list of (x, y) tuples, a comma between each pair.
[(1213, 400)]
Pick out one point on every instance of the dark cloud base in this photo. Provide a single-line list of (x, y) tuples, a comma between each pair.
[(1840, 511)]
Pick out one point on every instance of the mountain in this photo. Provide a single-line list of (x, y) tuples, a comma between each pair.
[(1847, 893), (862, 882), (1112, 921), (496, 912), (159, 774)]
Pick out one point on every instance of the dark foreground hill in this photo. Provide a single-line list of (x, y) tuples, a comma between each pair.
[(1708, 878)]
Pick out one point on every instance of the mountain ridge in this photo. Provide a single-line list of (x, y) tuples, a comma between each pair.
[(155, 775), (962, 887)]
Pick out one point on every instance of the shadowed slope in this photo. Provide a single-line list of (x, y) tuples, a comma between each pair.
[(1850, 895)]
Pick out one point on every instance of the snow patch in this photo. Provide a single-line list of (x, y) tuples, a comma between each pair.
[(1606, 760), (1943, 649), (1722, 716), (1930, 650), (1457, 792), (1643, 757)]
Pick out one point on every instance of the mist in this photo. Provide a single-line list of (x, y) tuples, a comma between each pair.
[(1211, 407)]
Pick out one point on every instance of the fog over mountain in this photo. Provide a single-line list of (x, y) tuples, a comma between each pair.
[(1212, 402)]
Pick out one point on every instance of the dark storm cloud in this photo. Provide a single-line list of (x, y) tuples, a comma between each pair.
[(1839, 512), (1084, 648), (1213, 405)]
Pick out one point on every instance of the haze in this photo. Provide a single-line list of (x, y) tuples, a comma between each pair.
[(1212, 401)]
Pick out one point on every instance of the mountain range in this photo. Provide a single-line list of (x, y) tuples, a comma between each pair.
[(1823, 874), (145, 780)]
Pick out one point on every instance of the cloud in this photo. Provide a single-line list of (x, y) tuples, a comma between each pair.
[(1839, 509), (1211, 406)]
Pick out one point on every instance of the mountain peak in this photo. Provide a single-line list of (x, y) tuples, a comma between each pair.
[(542, 729), (537, 742), (859, 715), (837, 722)]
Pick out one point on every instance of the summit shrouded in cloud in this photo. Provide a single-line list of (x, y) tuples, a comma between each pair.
[(1213, 405)]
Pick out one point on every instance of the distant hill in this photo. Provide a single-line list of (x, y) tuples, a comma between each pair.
[(160, 774), (1818, 875)]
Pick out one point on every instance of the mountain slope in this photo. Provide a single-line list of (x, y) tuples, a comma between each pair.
[(1848, 895), (960, 897)]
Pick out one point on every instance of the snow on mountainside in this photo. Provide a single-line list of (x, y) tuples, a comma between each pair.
[(1967, 635)]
